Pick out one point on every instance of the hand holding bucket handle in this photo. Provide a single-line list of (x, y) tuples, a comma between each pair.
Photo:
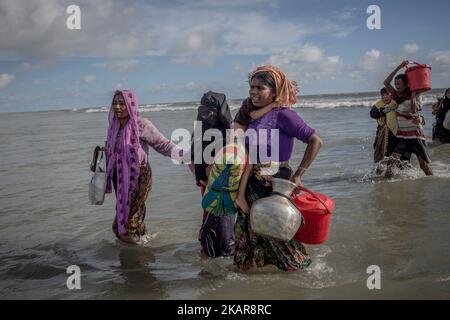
[(302, 188), (414, 62), (405, 63)]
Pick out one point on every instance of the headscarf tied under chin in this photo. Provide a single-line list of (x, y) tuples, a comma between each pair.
[(286, 90), (127, 160)]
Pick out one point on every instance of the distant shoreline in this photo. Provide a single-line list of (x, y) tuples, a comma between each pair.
[(194, 102)]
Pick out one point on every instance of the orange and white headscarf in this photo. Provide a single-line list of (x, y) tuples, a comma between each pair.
[(286, 90)]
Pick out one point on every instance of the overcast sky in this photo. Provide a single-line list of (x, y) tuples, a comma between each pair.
[(170, 51)]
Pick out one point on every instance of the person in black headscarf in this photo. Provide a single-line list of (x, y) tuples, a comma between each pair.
[(218, 182), (440, 110), (213, 113)]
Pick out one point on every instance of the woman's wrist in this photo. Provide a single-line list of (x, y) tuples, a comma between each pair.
[(300, 171)]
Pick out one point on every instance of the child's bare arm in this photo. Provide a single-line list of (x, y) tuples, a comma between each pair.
[(388, 80), (416, 103), (263, 111)]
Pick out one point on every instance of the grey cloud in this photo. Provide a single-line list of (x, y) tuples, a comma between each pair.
[(6, 79), (37, 29)]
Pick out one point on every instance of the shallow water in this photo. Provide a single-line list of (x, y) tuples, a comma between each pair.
[(46, 224)]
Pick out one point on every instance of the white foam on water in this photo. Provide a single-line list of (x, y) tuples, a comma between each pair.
[(440, 169), (145, 239), (95, 110), (220, 266), (336, 103), (317, 103), (319, 268), (321, 275), (157, 105), (166, 108), (234, 276), (325, 251), (443, 279), (400, 170)]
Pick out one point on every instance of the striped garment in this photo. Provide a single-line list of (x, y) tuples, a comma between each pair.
[(407, 129)]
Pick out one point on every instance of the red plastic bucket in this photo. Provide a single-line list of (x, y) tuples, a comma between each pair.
[(419, 77), (316, 208)]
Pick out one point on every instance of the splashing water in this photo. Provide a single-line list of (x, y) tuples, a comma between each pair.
[(392, 169)]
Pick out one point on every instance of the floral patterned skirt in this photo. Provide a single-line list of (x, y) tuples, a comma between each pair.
[(255, 249), (135, 227)]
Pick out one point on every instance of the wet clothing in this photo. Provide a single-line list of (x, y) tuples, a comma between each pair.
[(252, 248), (384, 144), (255, 249), (440, 133), (216, 235), (135, 226), (219, 202), (407, 128), (410, 135), (440, 115), (149, 135), (406, 147), (126, 154), (385, 138)]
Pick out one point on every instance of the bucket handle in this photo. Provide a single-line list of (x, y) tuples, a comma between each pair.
[(316, 197), (414, 62)]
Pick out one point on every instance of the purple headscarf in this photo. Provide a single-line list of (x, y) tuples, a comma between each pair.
[(127, 160)]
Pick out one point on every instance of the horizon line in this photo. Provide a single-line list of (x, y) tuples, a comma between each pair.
[(192, 101)]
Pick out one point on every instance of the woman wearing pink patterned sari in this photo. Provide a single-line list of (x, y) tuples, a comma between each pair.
[(128, 168)]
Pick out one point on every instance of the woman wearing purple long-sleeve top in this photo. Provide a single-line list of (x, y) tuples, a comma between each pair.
[(128, 168), (269, 84)]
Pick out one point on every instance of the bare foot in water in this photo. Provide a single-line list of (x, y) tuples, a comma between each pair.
[(389, 173)]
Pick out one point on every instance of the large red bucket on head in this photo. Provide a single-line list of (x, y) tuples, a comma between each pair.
[(419, 77), (316, 208)]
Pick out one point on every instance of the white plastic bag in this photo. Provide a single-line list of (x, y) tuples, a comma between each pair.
[(446, 123), (97, 186)]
